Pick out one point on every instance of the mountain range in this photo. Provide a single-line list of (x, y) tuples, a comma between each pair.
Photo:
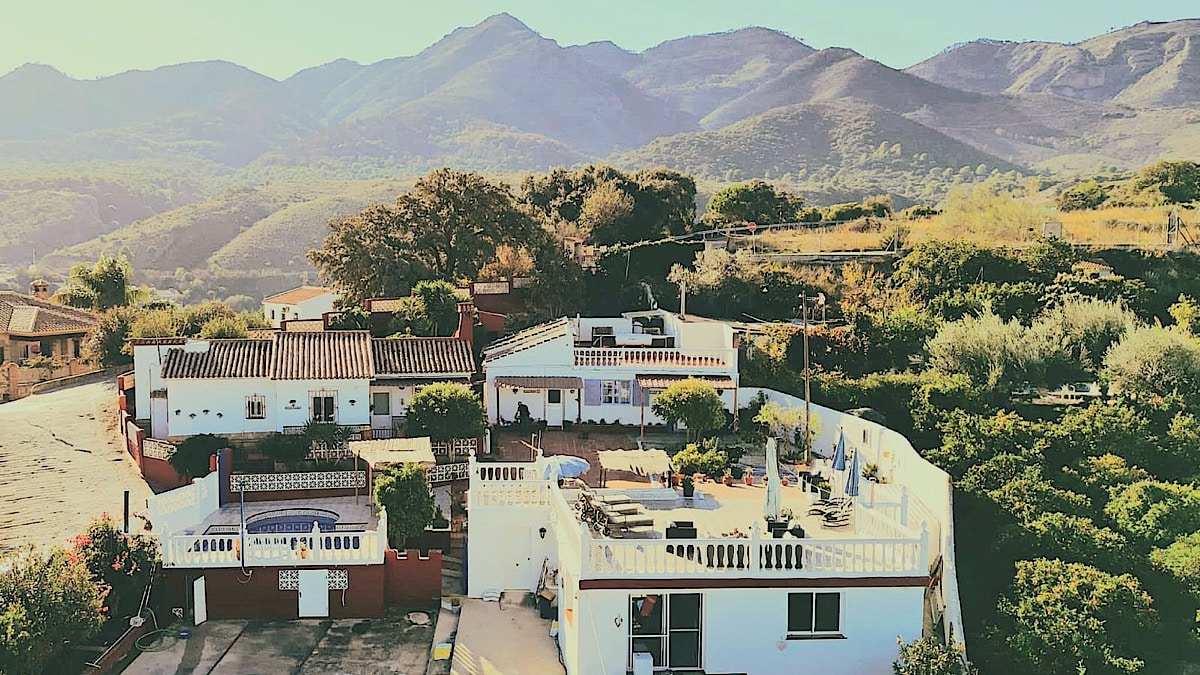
[(101, 165)]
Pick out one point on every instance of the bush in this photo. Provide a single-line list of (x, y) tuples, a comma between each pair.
[(931, 656), (703, 458), (45, 601), (191, 455), (693, 402), (117, 560), (284, 447), (404, 491), (444, 411)]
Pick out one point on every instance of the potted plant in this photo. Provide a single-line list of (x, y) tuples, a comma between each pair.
[(871, 472), (689, 487), (727, 477), (748, 478), (737, 472)]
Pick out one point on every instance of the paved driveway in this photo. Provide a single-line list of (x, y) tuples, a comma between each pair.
[(390, 645), (62, 462)]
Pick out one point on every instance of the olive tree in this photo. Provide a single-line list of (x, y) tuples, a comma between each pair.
[(693, 402)]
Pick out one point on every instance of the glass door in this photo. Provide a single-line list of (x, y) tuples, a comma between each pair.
[(668, 628)]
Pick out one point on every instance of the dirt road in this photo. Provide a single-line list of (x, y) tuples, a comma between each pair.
[(61, 463)]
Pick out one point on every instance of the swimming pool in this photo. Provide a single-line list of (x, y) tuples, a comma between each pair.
[(297, 521)]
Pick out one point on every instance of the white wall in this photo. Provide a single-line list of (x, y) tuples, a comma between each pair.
[(185, 507), (744, 630), (313, 308), (224, 396), (496, 533), (147, 366), (345, 390)]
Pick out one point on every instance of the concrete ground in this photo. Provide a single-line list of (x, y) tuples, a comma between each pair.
[(63, 462), (508, 640), (390, 645)]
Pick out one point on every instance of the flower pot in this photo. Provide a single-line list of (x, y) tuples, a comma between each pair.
[(783, 481), (748, 478), (727, 480), (674, 480)]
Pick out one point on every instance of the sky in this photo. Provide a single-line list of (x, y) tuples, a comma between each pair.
[(92, 38)]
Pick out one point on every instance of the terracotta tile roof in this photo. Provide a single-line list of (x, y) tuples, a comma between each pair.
[(27, 315), (303, 325), (422, 356), (139, 342), (330, 355), (539, 381), (664, 381), (299, 294), (223, 358)]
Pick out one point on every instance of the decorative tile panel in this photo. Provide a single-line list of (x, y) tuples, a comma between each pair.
[(308, 480), (289, 580), (339, 580), (443, 473), (157, 449), (456, 447)]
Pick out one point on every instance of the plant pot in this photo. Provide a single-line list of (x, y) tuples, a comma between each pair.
[(748, 478), (689, 491), (783, 481), (674, 480), (727, 480)]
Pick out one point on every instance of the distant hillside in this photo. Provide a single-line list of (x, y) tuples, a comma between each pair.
[(847, 144), (1144, 65)]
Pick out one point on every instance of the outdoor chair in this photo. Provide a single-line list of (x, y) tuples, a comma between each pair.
[(840, 516), (610, 520), (822, 507)]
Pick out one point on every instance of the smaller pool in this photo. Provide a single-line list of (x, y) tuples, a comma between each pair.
[(294, 521)]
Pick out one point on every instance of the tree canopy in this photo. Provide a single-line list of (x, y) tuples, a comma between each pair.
[(754, 201), (693, 402), (444, 411), (404, 491), (103, 285)]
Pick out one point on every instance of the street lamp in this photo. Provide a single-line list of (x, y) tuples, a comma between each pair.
[(818, 300)]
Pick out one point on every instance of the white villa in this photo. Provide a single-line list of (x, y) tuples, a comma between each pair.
[(302, 302), (703, 587), (255, 386), (606, 369)]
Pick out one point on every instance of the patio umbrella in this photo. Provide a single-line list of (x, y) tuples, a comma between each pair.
[(839, 452), (852, 477), (773, 498), (564, 466)]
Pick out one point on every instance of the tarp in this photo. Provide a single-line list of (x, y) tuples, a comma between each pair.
[(394, 451), (641, 462)]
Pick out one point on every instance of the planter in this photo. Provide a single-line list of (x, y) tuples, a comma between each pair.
[(727, 480), (689, 490), (748, 478)]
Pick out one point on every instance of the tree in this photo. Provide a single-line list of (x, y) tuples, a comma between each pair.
[(191, 455), (448, 227), (969, 439), (693, 402), (444, 411), (1155, 512), (1186, 312), (754, 201), (439, 301), (1174, 181), (996, 355), (404, 491), (1181, 559), (223, 327), (108, 342), (1072, 539), (607, 215), (1081, 196), (100, 286), (557, 288), (1152, 362), (931, 656), (46, 601)]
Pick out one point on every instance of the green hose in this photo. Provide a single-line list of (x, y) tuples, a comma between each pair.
[(158, 643)]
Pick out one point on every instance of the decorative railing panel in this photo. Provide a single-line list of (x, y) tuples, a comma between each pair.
[(531, 493), (457, 447), (654, 357), (444, 473), (225, 550), (507, 471), (309, 480), (157, 449)]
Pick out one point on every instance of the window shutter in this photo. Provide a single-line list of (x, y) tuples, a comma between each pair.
[(591, 392), (635, 393)]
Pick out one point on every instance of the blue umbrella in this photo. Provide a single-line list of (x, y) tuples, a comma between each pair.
[(852, 477), (839, 453), (563, 466)]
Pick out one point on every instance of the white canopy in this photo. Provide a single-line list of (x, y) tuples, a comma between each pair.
[(641, 462), (395, 451)]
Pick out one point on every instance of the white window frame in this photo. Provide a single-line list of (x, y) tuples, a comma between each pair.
[(374, 406), (256, 407), (616, 392), (812, 632)]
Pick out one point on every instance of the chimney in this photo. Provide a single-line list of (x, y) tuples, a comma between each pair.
[(40, 289), (466, 321)]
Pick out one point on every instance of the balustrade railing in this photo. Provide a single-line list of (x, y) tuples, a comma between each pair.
[(531, 493), (654, 356), (444, 473), (506, 471)]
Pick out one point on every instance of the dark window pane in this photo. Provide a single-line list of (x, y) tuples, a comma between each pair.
[(382, 403), (650, 645), (554, 395), (828, 612), (800, 612), (684, 649), (685, 610), (646, 615)]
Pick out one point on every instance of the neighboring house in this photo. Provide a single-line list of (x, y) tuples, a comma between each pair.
[(32, 325), (247, 387), (705, 588), (592, 369), (304, 302)]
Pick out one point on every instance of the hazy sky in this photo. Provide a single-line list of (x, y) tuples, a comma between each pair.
[(88, 38)]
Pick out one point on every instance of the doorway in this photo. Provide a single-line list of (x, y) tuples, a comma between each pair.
[(554, 407), (668, 627), (314, 593)]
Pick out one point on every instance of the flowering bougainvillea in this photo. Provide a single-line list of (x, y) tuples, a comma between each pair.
[(123, 563)]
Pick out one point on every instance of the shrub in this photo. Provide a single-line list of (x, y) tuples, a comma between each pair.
[(703, 458), (693, 402), (284, 447), (444, 411), (121, 562), (404, 491), (191, 455), (931, 656)]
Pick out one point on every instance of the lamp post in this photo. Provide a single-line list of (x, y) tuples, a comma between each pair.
[(819, 299)]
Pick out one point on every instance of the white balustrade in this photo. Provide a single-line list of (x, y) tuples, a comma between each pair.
[(506, 471), (314, 548), (717, 359), (527, 493)]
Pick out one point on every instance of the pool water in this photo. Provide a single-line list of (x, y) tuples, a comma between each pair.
[(295, 521)]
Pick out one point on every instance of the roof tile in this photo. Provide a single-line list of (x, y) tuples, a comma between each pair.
[(422, 356), (223, 358), (330, 355)]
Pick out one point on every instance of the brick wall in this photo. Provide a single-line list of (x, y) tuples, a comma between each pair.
[(410, 579), (231, 595)]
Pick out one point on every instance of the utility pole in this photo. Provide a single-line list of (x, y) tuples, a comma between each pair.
[(807, 391)]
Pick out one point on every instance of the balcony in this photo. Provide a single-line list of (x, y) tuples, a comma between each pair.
[(315, 548), (659, 359)]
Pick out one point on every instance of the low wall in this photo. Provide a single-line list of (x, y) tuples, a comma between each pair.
[(75, 380), (278, 495), (117, 651), (234, 595), (410, 579)]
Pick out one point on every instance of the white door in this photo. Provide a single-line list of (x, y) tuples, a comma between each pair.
[(554, 407), (314, 593), (516, 574), (199, 602), (158, 415)]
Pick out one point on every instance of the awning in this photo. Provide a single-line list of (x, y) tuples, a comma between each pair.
[(664, 381), (538, 382), (395, 451), (641, 462)]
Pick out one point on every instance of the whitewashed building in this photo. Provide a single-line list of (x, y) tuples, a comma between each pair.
[(302, 302), (606, 370), (245, 386), (707, 589)]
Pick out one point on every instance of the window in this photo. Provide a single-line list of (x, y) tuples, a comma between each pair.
[(272, 315), (553, 396), (667, 627), (76, 349), (615, 392), (814, 614), (1, 354), (324, 407), (256, 407), (381, 403)]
